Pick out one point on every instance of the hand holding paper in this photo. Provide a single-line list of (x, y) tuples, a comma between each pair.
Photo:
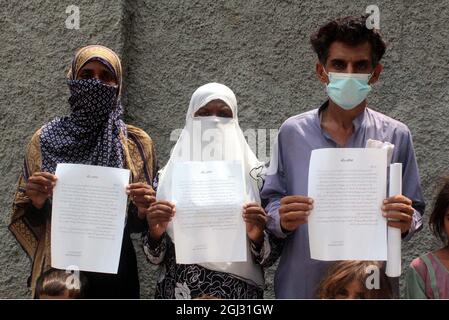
[(142, 195), (159, 215), (294, 211), (255, 218), (40, 187), (399, 211)]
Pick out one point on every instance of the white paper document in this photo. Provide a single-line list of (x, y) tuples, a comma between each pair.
[(88, 217), (208, 225), (393, 268), (348, 186)]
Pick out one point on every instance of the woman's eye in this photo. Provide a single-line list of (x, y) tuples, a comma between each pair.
[(85, 75), (107, 77)]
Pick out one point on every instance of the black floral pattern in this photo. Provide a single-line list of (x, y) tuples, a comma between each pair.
[(190, 281)]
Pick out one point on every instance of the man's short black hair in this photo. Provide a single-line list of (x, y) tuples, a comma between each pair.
[(351, 31)]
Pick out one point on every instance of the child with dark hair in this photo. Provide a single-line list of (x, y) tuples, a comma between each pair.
[(61, 284), (428, 275), (355, 280)]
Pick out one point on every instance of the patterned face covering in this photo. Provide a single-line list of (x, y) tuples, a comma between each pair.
[(91, 133), (91, 101)]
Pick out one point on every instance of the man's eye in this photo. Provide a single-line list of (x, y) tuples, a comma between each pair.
[(362, 66), (338, 65)]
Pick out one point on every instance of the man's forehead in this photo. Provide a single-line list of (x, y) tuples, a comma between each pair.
[(342, 51)]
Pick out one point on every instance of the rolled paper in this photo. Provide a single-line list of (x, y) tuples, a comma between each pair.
[(393, 268)]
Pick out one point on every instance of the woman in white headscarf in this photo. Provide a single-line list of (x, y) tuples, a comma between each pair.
[(212, 106)]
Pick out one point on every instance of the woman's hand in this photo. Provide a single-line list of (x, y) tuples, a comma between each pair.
[(255, 218), (40, 187), (159, 215), (142, 195)]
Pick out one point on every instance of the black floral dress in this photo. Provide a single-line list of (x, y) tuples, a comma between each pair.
[(190, 281)]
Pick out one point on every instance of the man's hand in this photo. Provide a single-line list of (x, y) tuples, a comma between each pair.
[(399, 212), (294, 211)]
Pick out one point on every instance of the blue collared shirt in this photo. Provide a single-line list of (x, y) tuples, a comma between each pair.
[(298, 276)]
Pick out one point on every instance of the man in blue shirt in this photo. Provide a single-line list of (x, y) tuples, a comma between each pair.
[(348, 64)]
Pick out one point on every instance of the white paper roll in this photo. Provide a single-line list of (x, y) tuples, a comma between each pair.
[(393, 268)]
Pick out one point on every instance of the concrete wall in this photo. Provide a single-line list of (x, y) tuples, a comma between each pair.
[(259, 48)]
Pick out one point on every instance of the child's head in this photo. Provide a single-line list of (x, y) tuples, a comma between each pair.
[(206, 297), (60, 284), (355, 280), (439, 219)]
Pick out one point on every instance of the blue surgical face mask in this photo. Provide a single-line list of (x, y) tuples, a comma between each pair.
[(348, 90)]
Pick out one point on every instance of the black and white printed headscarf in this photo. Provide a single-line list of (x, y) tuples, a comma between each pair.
[(91, 133)]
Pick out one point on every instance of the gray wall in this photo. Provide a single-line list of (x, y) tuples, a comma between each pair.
[(259, 48)]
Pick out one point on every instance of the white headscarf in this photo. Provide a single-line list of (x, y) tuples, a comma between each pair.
[(230, 145)]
